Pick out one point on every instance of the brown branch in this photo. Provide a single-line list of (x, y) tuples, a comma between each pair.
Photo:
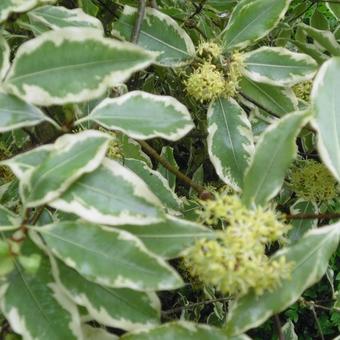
[(325, 216), (278, 327), (138, 24), (205, 195)]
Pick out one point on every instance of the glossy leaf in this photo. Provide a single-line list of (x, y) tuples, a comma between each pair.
[(112, 194), (159, 33), (310, 258), (326, 107), (274, 152), (278, 66), (72, 156), (92, 65), (230, 141), (251, 21), (142, 115), (4, 57), (108, 256)]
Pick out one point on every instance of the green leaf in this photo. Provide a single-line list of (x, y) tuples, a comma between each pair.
[(72, 156), (319, 21), (156, 182), (108, 256), (230, 141), (112, 194), (4, 57), (119, 308), (300, 227), (310, 258), (159, 33), (93, 64), (326, 107), (168, 154), (15, 113), (277, 100), (311, 50), (169, 238), (334, 8), (94, 333), (8, 219), (289, 331), (274, 152), (142, 115), (252, 20), (181, 330), (35, 306), (278, 66), (55, 17)]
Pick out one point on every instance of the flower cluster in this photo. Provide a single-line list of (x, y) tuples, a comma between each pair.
[(303, 90), (235, 261), (235, 72), (209, 49), (312, 181)]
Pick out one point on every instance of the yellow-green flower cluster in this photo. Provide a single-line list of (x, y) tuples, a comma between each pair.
[(114, 150), (303, 90), (312, 181), (209, 49), (235, 262), (234, 74)]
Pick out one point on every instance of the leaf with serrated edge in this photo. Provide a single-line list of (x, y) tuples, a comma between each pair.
[(142, 115), (278, 66), (171, 237), (274, 152), (156, 182), (95, 64), (230, 141), (114, 307), (108, 256), (55, 17), (252, 20), (112, 194), (159, 33), (4, 57), (15, 113), (72, 156), (182, 330), (310, 258), (326, 108)]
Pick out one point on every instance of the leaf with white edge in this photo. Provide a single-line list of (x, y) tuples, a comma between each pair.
[(108, 256), (55, 17), (72, 156), (289, 331), (171, 237), (274, 152), (27, 161), (326, 108), (310, 256), (311, 50), (168, 154), (159, 33), (334, 8), (252, 20), (230, 141), (8, 219), (278, 66), (300, 227), (35, 305), (15, 113), (4, 57), (114, 307), (113, 195), (93, 64), (181, 330), (277, 100), (94, 333), (156, 182), (142, 115)]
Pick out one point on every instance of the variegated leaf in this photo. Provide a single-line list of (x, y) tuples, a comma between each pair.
[(159, 33), (171, 237), (142, 115), (309, 258), (114, 307), (95, 333), (326, 107), (72, 156), (4, 57), (8, 219), (15, 113), (230, 141), (112, 194), (108, 256), (92, 65), (278, 66), (274, 152)]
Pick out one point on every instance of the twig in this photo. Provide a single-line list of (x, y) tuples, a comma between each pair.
[(198, 9), (278, 327), (138, 24), (313, 216), (317, 322), (205, 195)]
